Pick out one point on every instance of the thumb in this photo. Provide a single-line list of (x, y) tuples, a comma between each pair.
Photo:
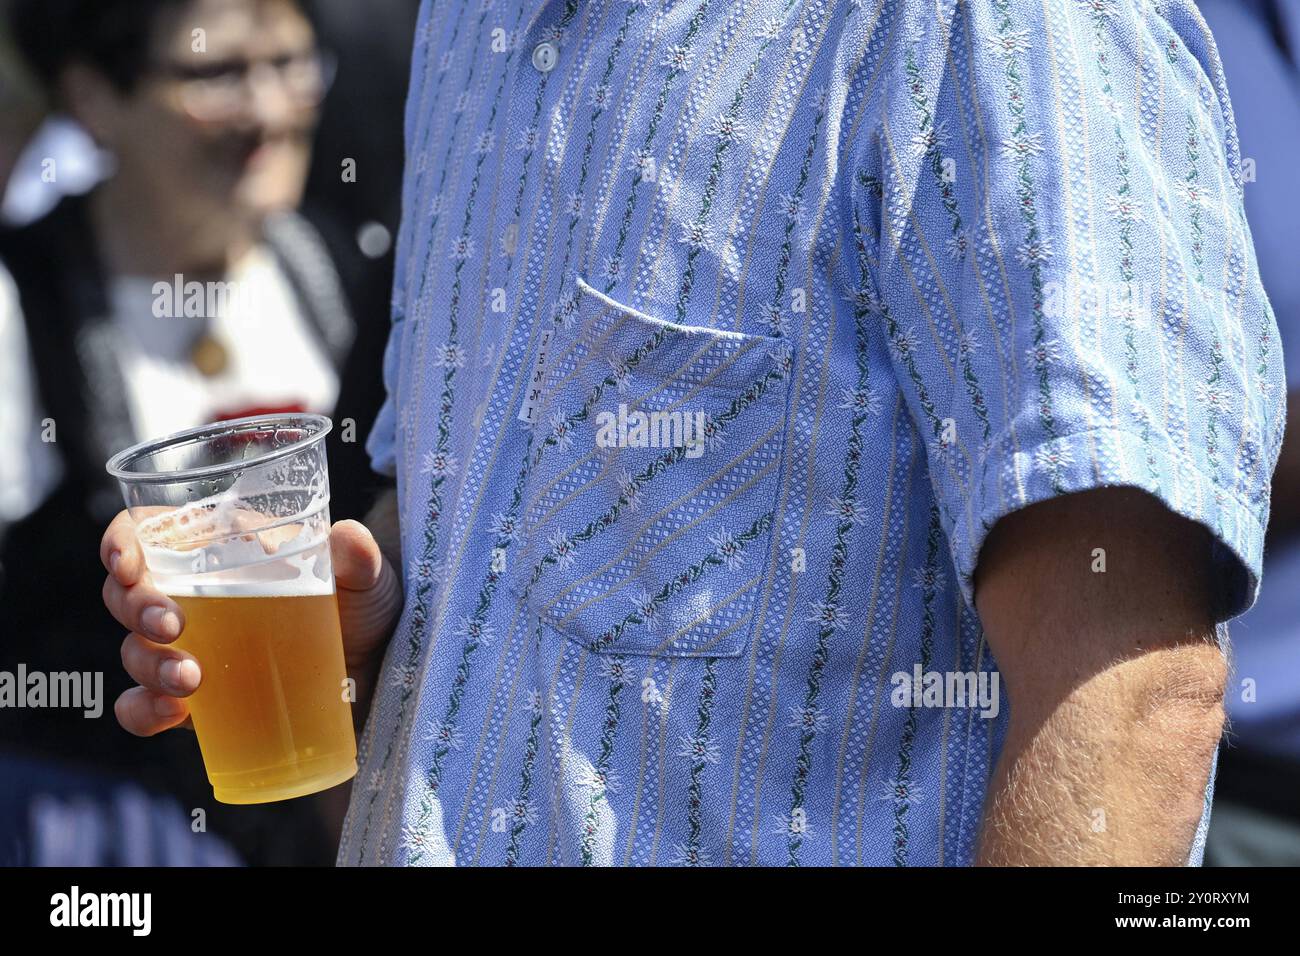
[(357, 559)]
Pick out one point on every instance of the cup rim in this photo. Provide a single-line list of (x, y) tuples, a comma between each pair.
[(116, 465)]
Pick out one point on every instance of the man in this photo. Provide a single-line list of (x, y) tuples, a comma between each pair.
[(761, 372)]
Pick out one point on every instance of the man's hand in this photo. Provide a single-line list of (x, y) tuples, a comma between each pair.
[(1114, 680), (369, 598)]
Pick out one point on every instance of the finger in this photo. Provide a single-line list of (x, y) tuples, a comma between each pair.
[(119, 550), (142, 712), (163, 670), (144, 609), (358, 562)]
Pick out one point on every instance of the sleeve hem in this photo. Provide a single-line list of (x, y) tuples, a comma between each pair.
[(1110, 458), (381, 445)]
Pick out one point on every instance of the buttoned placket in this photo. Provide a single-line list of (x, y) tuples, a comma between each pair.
[(542, 44)]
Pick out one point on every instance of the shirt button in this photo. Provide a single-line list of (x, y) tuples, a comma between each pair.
[(544, 56)]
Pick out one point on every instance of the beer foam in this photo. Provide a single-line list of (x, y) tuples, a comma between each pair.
[(247, 589), (221, 547), (303, 573)]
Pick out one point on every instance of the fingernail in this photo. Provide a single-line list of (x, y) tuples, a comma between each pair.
[(169, 675), (179, 677), (168, 706), (113, 560), (160, 622)]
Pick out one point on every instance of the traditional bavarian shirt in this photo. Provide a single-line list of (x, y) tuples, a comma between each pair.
[(723, 335)]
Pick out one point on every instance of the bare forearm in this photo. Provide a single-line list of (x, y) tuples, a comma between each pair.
[(1093, 783), (1098, 609), (1284, 518), (364, 671), (365, 677), (382, 521), (381, 613)]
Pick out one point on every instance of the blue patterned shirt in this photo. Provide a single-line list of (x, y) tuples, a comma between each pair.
[(723, 334)]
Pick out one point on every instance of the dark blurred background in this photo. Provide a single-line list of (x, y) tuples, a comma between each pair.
[(259, 143), (250, 142), (1256, 818)]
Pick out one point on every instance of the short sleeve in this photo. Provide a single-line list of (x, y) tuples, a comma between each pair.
[(1050, 211), (381, 444)]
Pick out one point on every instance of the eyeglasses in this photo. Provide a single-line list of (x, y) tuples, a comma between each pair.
[(223, 89)]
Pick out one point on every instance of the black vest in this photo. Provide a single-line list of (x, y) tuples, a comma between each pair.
[(64, 299)]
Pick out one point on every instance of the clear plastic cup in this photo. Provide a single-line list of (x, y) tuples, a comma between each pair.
[(234, 522)]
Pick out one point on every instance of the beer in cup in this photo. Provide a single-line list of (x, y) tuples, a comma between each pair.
[(233, 519)]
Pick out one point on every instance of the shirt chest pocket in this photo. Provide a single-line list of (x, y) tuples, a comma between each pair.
[(654, 473)]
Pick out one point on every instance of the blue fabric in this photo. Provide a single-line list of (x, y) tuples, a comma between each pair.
[(878, 273), (56, 815), (1263, 703)]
